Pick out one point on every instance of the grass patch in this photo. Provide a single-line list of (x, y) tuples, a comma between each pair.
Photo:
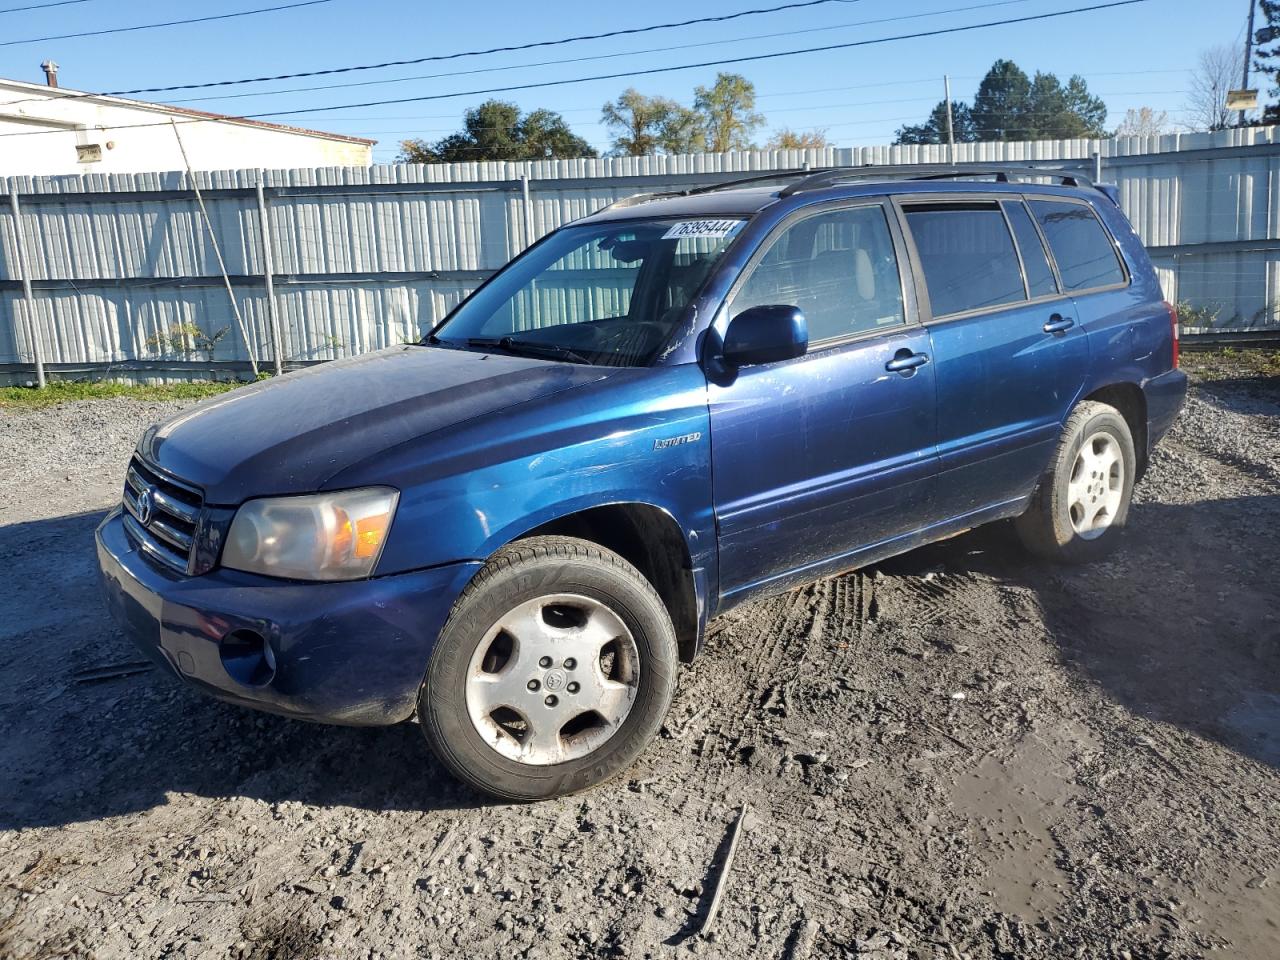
[(1232, 363), (65, 392)]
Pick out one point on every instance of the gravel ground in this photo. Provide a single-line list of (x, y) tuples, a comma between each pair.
[(957, 754)]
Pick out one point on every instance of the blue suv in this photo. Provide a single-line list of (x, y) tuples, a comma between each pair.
[(517, 529)]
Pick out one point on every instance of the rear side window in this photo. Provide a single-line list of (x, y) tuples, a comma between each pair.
[(1081, 247), (837, 267), (1040, 282), (967, 255)]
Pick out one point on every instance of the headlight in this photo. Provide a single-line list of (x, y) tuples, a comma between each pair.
[(322, 536)]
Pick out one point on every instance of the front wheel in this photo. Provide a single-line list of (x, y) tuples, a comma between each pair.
[(554, 672), (1079, 509)]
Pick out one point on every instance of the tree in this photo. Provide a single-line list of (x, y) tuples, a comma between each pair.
[(681, 131), (1002, 103), (934, 130), (1009, 105), (643, 125), (1071, 114), (635, 122), (1143, 122), (546, 135), (496, 130), (728, 112), (1218, 69), (788, 139)]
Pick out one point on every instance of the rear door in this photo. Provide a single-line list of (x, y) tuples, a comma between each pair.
[(816, 458), (1123, 330), (1009, 357)]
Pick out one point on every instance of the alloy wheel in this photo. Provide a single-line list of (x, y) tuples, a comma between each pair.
[(1096, 486), (553, 679)]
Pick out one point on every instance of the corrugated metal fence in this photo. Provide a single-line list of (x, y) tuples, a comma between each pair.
[(122, 273)]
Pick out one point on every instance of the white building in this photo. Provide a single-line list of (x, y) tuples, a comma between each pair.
[(75, 132)]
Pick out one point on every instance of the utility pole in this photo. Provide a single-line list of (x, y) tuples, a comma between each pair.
[(1248, 55), (951, 127)]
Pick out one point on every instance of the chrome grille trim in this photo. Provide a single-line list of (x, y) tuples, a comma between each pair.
[(186, 511), (170, 535), (152, 549)]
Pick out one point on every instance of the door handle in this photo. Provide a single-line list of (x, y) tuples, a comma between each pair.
[(1057, 323), (904, 361)]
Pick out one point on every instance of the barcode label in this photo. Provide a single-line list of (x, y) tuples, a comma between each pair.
[(702, 228)]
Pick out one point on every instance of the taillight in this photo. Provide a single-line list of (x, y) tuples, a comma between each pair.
[(1173, 324)]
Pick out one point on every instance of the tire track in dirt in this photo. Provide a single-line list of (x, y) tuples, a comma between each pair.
[(1089, 740)]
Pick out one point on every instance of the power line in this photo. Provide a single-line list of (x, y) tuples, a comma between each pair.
[(413, 133), (635, 73), (42, 6), (602, 56), (477, 53), (797, 93), (156, 26), (706, 63), (596, 109)]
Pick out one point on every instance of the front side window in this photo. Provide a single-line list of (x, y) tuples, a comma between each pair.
[(839, 268), (967, 256), (1081, 247), (607, 294)]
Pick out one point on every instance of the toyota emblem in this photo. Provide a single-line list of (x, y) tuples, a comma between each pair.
[(146, 505)]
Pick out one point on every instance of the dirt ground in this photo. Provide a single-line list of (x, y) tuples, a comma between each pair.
[(959, 754)]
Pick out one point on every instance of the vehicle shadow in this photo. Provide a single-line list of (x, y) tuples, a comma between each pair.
[(81, 747), (1179, 626)]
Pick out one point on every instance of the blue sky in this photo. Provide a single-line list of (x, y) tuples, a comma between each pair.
[(1131, 56)]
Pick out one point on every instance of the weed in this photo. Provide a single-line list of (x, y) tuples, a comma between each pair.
[(186, 338)]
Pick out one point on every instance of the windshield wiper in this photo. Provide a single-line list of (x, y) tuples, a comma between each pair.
[(432, 340), (530, 348)]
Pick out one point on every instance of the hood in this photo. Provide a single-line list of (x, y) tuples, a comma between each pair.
[(291, 433)]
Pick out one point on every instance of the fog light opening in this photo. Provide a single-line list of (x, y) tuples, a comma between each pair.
[(248, 658)]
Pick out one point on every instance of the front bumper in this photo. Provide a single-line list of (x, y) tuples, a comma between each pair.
[(353, 652)]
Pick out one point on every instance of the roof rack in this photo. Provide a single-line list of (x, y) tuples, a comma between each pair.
[(758, 178), (830, 176), (639, 198), (1003, 173)]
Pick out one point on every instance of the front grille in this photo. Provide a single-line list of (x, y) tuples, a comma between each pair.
[(161, 516)]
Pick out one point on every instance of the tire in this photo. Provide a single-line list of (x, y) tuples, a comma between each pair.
[(516, 704), (1078, 512)]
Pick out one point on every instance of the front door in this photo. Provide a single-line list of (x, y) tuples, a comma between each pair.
[(817, 458)]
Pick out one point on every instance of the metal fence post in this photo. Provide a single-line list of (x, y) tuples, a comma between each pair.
[(268, 272), (528, 211), (28, 300)]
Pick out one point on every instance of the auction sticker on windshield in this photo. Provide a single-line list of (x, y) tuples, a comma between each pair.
[(702, 228)]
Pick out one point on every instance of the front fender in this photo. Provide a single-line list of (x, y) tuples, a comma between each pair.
[(639, 436)]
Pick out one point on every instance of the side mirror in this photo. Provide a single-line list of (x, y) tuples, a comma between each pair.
[(766, 334)]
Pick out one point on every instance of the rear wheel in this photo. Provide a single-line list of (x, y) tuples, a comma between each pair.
[(1080, 507), (554, 671)]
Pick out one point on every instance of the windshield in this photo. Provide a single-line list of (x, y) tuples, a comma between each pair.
[(606, 294)]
